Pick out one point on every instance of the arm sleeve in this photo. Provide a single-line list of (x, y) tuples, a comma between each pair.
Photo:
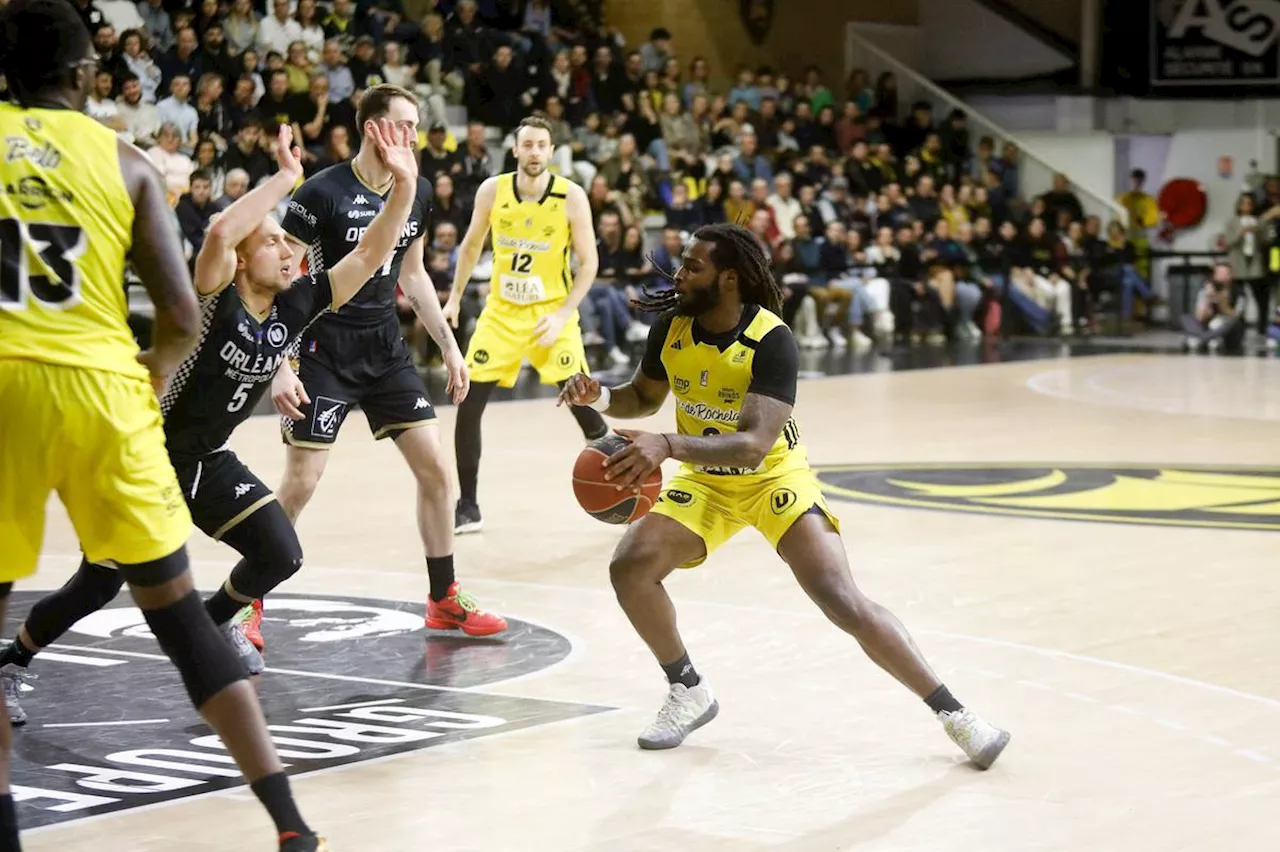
[(651, 363), (776, 366), (309, 206)]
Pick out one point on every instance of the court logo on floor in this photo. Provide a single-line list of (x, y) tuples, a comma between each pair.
[(1166, 495), (348, 680)]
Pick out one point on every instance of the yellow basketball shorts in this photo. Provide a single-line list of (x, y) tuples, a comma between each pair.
[(716, 508), (504, 339), (97, 439)]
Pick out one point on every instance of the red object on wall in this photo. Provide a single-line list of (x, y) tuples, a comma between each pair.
[(1183, 202)]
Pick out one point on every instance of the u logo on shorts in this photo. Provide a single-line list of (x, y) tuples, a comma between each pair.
[(781, 500)]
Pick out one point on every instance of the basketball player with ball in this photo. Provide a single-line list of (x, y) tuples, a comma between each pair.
[(731, 362)]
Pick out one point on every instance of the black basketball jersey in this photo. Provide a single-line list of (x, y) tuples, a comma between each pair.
[(329, 213), (218, 385)]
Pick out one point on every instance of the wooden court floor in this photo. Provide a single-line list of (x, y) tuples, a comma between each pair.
[(1083, 548)]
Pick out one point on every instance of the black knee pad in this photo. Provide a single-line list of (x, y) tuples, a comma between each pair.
[(205, 659), (158, 571), (90, 589), (271, 550)]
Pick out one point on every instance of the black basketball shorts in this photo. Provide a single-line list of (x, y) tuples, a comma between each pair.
[(220, 491), (342, 367)]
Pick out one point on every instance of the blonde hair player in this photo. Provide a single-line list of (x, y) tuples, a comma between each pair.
[(531, 313)]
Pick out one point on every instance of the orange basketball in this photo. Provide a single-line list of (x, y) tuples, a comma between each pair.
[(602, 499)]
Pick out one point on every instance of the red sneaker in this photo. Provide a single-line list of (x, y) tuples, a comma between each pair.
[(249, 621), (459, 611)]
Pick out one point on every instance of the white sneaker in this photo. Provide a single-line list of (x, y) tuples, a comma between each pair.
[(861, 343), (685, 710), (884, 323), (837, 339), (618, 357), (12, 682), (981, 741)]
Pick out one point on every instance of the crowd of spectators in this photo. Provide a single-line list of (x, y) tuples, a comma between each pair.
[(881, 217)]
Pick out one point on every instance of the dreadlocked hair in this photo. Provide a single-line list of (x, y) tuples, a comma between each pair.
[(40, 42), (733, 247)]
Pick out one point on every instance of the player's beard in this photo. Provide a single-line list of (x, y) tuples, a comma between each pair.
[(699, 301), (533, 170)]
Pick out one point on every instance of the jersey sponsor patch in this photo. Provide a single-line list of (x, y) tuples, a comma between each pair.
[(112, 728)]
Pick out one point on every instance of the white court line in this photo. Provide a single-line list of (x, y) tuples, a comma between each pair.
[(104, 724), (1141, 671), (96, 662)]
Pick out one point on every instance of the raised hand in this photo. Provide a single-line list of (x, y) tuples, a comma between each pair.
[(288, 157), (579, 390), (396, 146)]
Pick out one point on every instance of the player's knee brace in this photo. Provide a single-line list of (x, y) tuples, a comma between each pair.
[(90, 589), (271, 550), (201, 653)]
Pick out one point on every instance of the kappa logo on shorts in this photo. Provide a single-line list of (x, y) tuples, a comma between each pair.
[(277, 334), (481, 356), (781, 500), (352, 679), (243, 488), (680, 498), (326, 415)]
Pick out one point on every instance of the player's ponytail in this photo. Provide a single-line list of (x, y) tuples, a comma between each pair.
[(736, 248)]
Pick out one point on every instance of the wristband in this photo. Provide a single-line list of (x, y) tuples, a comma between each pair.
[(601, 404)]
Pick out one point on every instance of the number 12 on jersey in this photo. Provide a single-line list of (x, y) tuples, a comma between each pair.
[(521, 263)]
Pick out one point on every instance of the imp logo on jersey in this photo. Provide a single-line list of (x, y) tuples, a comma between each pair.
[(349, 680), (680, 385), (277, 334)]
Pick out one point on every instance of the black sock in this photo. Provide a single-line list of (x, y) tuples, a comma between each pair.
[(16, 654), (222, 607), (8, 826), (440, 572), (681, 671), (273, 791), (942, 701)]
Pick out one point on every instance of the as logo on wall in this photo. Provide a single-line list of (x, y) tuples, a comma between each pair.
[(1187, 496), (348, 680), (1215, 42)]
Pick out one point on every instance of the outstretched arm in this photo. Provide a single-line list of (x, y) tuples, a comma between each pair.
[(470, 247), (379, 240), (216, 263)]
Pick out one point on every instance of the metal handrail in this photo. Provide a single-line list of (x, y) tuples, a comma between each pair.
[(902, 69)]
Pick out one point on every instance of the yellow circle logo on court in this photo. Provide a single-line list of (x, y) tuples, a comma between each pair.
[(1216, 496)]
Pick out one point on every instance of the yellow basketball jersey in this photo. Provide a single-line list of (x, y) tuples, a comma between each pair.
[(530, 244), (710, 386), (66, 224)]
